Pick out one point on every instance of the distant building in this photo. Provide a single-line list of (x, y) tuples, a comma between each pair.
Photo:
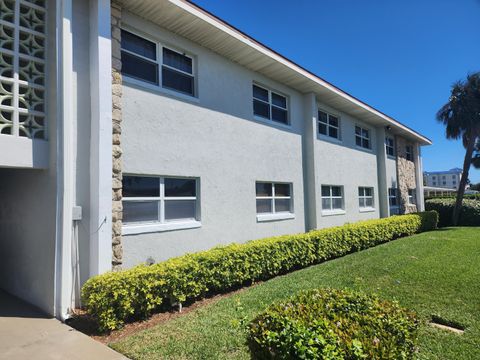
[(449, 179)]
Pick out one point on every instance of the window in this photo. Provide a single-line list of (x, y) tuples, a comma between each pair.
[(434, 183), (273, 198), (409, 152), (393, 197), (365, 198), (362, 137), (444, 182), (159, 199), (269, 105), (393, 201), (332, 198), (412, 196), (177, 72), (328, 125), (434, 177), (390, 146), (140, 60)]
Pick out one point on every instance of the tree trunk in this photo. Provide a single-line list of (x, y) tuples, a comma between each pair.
[(463, 181)]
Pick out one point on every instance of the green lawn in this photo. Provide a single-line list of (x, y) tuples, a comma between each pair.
[(433, 273)]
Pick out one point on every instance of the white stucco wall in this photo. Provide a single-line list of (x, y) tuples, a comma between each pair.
[(343, 163), (215, 138)]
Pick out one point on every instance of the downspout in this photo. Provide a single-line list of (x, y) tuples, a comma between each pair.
[(64, 163)]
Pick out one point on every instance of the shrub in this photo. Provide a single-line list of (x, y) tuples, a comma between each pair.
[(116, 297), (334, 324), (475, 196), (469, 215)]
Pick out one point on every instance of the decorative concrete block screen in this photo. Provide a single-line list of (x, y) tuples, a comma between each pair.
[(22, 68)]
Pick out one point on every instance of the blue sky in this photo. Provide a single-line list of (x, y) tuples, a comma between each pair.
[(401, 57)]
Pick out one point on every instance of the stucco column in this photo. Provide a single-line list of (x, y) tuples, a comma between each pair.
[(382, 173), (309, 166), (100, 137), (419, 177), (64, 301)]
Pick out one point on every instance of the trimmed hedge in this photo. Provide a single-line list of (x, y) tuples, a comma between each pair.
[(116, 297), (466, 196), (469, 216), (334, 324)]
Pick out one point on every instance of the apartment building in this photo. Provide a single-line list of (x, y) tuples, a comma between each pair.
[(449, 179), (135, 131)]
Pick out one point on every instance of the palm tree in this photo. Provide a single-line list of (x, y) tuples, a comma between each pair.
[(461, 117), (476, 156)]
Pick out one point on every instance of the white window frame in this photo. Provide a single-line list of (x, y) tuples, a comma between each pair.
[(274, 215), (328, 125), (393, 208), (162, 224), (332, 211), (390, 146), (365, 197), (159, 62), (361, 137), (271, 105), (412, 198)]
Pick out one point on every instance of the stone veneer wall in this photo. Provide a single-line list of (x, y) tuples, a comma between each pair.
[(405, 175), (117, 250)]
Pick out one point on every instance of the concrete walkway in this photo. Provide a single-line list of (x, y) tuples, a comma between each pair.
[(26, 333)]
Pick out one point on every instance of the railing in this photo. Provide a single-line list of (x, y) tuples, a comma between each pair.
[(22, 68)]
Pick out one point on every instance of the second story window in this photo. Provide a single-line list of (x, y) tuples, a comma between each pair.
[(409, 152), (362, 137), (177, 72), (270, 105), (390, 146), (141, 60), (328, 125)]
